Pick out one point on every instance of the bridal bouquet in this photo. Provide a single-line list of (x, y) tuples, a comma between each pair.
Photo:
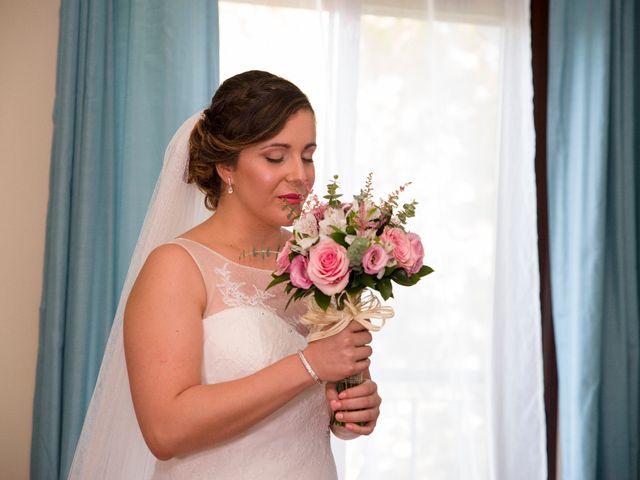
[(340, 252)]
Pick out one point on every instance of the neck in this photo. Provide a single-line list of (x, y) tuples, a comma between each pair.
[(244, 233)]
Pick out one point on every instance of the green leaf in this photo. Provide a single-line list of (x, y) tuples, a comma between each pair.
[(354, 290), (424, 271), (288, 302), (368, 281), (389, 270), (278, 279), (321, 299), (339, 237), (401, 278), (356, 281), (299, 294), (385, 288)]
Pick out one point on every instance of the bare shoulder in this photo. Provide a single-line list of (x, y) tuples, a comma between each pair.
[(171, 263), (169, 277), (170, 256)]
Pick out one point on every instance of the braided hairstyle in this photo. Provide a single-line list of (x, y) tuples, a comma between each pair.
[(248, 108)]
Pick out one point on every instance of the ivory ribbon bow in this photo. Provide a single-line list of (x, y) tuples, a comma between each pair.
[(362, 310)]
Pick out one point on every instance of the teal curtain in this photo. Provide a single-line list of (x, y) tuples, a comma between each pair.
[(128, 74), (594, 214)]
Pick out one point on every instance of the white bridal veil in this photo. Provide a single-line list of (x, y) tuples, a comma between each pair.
[(111, 444)]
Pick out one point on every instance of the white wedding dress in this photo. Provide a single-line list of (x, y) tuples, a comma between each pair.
[(246, 329)]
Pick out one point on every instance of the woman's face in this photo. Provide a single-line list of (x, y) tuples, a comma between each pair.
[(272, 179)]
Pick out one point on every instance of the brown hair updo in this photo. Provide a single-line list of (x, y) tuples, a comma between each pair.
[(247, 108)]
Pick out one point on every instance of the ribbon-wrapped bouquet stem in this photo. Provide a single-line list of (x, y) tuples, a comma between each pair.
[(340, 252)]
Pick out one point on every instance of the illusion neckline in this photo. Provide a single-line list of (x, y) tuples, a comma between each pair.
[(218, 254)]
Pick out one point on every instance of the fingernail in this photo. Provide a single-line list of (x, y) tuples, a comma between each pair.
[(339, 416), (342, 395), (336, 405)]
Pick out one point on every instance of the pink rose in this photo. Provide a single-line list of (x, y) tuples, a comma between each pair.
[(374, 259), (417, 253), (298, 272), (401, 247), (282, 260), (328, 266)]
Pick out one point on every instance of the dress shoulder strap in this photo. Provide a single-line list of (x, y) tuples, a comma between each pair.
[(200, 253), (206, 260)]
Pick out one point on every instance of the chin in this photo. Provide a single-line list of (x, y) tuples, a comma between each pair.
[(278, 220), (286, 220)]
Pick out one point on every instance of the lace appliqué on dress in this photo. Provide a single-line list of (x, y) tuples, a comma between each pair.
[(233, 296)]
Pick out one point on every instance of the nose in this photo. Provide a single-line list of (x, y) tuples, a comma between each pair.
[(299, 173)]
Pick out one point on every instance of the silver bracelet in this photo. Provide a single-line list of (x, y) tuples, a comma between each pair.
[(304, 361)]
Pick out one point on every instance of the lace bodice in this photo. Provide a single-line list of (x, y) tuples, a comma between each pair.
[(246, 329)]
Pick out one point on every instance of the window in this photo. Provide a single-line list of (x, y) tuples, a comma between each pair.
[(408, 90)]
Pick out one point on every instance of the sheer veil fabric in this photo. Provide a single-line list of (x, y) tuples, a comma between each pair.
[(111, 444)]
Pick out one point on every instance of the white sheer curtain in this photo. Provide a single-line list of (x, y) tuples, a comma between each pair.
[(438, 93)]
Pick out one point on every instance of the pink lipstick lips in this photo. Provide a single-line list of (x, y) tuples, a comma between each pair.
[(292, 198)]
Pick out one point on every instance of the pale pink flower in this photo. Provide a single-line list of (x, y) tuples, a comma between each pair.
[(374, 259), (305, 231), (400, 246), (282, 260), (334, 218), (328, 266), (417, 253), (318, 211), (298, 272)]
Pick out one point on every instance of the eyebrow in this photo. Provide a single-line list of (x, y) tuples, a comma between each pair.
[(286, 145)]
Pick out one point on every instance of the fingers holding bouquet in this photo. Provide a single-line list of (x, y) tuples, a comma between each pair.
[(356, 409), (342, 355)]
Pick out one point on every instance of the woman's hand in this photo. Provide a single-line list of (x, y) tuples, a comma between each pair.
[(360, 404), (342, 355)]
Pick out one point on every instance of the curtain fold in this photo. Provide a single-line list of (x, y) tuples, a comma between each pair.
[(128, 74), (518, 447), (593, 163)]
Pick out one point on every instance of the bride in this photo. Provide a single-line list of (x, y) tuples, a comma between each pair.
[(206, 375)]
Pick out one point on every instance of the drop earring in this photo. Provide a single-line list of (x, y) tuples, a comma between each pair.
[(230, 188)]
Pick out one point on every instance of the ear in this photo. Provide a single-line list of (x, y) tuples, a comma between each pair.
[(224, 171)]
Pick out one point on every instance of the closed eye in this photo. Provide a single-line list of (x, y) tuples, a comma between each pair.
[(309, 151)]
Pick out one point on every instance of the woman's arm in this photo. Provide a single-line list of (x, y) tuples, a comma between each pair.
[(163, 345)]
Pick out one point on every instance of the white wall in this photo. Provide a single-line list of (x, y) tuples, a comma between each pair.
[(28, 43)]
